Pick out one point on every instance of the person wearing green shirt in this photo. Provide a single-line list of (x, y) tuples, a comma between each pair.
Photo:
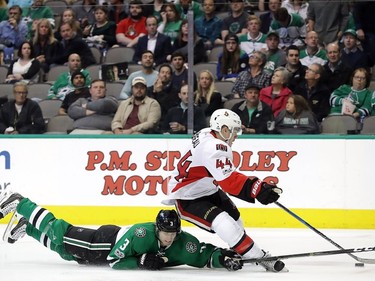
[(150, 246)]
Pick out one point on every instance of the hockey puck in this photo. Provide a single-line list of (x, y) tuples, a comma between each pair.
[(359, 264)]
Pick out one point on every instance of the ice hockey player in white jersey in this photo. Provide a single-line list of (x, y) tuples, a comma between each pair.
[(203, 176)]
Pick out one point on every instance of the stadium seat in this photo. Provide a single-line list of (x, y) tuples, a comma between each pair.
[(3, 73), (38, 91), (50, 108), (60, 124), (97, 54), (224, 87), (114, 89), (214, 54), (120, 54), (368, 127), (94, 71), (55, 72), (229, 103), (339, 124)]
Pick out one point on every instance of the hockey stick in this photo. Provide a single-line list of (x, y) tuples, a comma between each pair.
[(312, 254), (363, 260)]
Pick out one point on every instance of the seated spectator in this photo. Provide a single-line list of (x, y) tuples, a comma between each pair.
[(353, 99), (26, 67), (176, 121), (21, 115), (63, 83), (158, 43), (206, 96), (314, 91), (68, 16), (139, 114), (275, 56), (294, 66), (277, 94), (102, 33), (255, 115), (171, 21), (85, 12), (96, 112), (183, 6), (232, 60), (13, 32), (117, 11), (351, 55), (208, 26), (45, 45), (236, 22), (312, 52), (164, 91), (336, 73), (181, 44), (296, 118), (153, 8), (129, 30), (79, 91), (72, 44), (180, 71), (147, 72), (253, 40), (268, 16), (255, 74), (34, 13)]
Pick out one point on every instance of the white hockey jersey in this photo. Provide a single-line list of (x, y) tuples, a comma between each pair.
[(206, 165)]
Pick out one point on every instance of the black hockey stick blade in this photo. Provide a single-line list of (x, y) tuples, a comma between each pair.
[(311, 254), (363, 260)]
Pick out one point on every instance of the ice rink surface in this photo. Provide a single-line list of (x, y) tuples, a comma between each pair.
[(27, 260)]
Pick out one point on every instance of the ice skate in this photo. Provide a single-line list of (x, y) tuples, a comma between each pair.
[(16, 229), (8, 202), (274, 266)]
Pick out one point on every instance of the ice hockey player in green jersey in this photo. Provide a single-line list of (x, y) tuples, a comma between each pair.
[(150, 246)]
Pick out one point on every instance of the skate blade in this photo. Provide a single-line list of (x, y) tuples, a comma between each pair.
[(9, 227)]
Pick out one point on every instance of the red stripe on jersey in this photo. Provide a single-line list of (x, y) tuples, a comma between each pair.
[(234, 183), (194, 174), (192, 217), (244, 245)]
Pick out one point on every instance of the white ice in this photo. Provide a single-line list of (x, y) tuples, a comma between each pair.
[(27, 260)]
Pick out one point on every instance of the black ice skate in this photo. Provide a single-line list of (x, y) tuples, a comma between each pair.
[(8, 202)]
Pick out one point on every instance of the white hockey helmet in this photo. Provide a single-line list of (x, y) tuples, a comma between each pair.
[(225, 117)]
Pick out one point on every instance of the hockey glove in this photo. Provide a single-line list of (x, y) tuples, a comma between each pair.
[(150, 261), (230, 260), (265, 193)]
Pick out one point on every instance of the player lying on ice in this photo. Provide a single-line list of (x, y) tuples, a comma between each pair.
[(145, 245), (203, 175)]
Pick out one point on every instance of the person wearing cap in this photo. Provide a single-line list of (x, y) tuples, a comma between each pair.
[(232, 60), (254, 114), (237, 20), (139, 114), (351, 55), (253, 40), (275, 56), (80, 91)]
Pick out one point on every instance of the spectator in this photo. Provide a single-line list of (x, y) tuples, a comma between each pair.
[(312, 52), (72, 44), (253, 40), (25, 68), (153, 8), (158, 43), (275, 56), (176, 121), (236, 22), (171, 21), (139, 114), (45, 45), (147, 72), (34, 13), (21, 115), (267, 17), (351, 55), (296, 118), (69, 16), (314, 91), (255, 74), (290, 27), (79, 91), (180, 71), (208, 26), (363, 14), (328, 19), (116, 11), (336, 73), (353, 99), (95, 112), (85, 13), (232, 60), (13, 32), (181, 44), (163, 90), (277, 94), (206, 96), (294, 66), (101, 33), (254, 114), (183, 6), (298, 7), (63, 84), (134, 26)]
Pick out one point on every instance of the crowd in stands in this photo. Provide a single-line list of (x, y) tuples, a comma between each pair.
[(290, 63)]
